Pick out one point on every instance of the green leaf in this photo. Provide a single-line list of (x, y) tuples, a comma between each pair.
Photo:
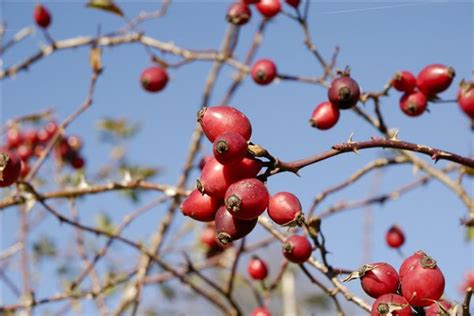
[(106, 5)]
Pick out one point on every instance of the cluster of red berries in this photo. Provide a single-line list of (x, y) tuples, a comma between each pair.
[(343, 94), (21, 147), (432, 80), (228, 191), (42, 16), (418, 284), (239, 12)]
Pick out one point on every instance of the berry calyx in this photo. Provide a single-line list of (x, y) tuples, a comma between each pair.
[(154, 79), (200, 207), (238, 13), (217, 120), (264, 71), (414, 103), (230, 228), (404, 81), (229, 148), (246, 199), (42, 16), (395, 237), (297, 249), (466, 98), (324, 116), (344, 92), (391, 304), (10, 168), (434, 79), (284, 208), (269, 8), (423, 283), (257, 268)]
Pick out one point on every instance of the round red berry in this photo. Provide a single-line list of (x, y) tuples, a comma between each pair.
[(10, 168), (220, 119), (14, 138), (297, 249), (391, 303), (293, 3), (51, 128), (77, 162), (204, 160), (200, 207), (257, 268), (404, 81), (250, 1), (208, 237), (214, 179), (466, 98), (439, 308), (31, 136), (284, 208), (246, 199), (229, 147), (423, 283), (378, 279), (324, 116), (434, 79), (42, 16), (261, 311), (344, 92), (414, 103), (238, 13), (25, 151), (395, 237), (154, 79), (230, 228), (269, 8), (247, 168), (264, 71), (410, 262)]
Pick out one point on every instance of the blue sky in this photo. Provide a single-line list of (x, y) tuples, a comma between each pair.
[(376, 39)]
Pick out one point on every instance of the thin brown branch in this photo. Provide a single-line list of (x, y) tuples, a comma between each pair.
[(467, 302)]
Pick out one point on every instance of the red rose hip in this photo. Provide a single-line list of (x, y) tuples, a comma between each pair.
[(246, 199), (404, 81), (247, 168), (230, 228), (434, 79), (344, 92), (284, 208), (42, 16), (229, 148), (14, 138), (423, 283), (238, 13), (261, 311), (10, 168), (414, 103), (391, 303), (324, 116), (264, 71), (214, 180), (466, 98), (200, 207), (257, 268), (154, 79), (395, 237), (293, 3), (378, 279), (410, 262), (269, 8), (297, 249), (439, 308), (220, 119), (250, 1)]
